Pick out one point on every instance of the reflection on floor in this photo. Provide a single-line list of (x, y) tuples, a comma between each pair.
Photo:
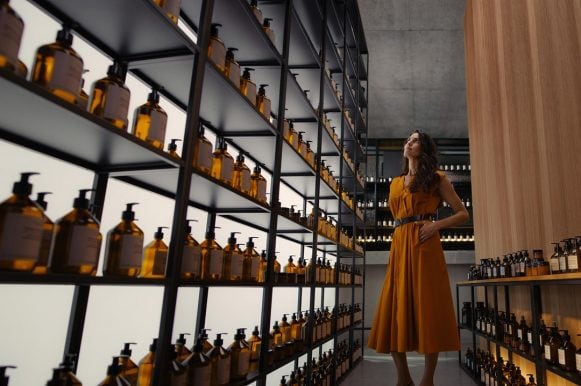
[(378, 369)]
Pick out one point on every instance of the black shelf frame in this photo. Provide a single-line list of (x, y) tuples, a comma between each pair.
[(159, 53), (534, 287)]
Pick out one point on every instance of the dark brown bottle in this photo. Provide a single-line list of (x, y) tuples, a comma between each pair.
[(523, 335), (566, 353), (552, 346)]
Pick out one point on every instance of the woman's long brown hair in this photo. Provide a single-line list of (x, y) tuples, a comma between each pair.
[(426, 179)]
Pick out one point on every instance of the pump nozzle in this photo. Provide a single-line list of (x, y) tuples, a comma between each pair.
[(114, 369), (262, 89), (240, 157), (240, 333), (153, 96), (118, 69), (232, 239), (246, 73), (266, 22), (255, 332), (230, 53), (129, 214), (40, 199), (204, 333), (3, 378), (250, 243), (211, 235), (23, 187), (181, 339), (172, 145), (188, 226), (214, 29), (82, 202), (257, 168), (65, 36), (159, 234), (218, 341), (127, 349)]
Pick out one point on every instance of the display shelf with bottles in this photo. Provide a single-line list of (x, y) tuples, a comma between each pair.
[(163, 55), (488, 320)]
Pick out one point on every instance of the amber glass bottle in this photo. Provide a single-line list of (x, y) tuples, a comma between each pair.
[(256, 11), (59, 68), (276, 342), (231, 67), (150, 121), (129, 369), (258, 185), (78, 240), (110, 97), (255, 342), (269, 31), (251, 265), (212, 258), (198, 368), (262, 101), (11, 28), (21, 228), (146, 366), (240, 356), (180, 347), (233, 260), (566, 353), (247, 86), (241, 175), (154, 259), (203, 152), (263, 266), (221, 362), (216, 48), (114, 377), (222, 162), (124, 246), (192, 256)]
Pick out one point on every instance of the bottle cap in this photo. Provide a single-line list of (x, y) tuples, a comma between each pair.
[(240, 157), (3, 378), (250, 243), (159, 234), (211, 235), (23, 187), (114, 369), (199, 346), (218, 341), (214, 29), (255, 332), (82, 202), (64, 36), (240, 333), (118, 70), (284, 318), (127, 349), (266, 22), (181, 339), (232, 239), (172, 145), (262, 88), (128, 213), (153, 96), (230, 53), (40, 199), (246, 73), (257, 169)]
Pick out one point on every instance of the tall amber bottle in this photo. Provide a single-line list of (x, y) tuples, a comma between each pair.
[(191, 256), (171, 8), (212, 258), (221, 362), (222, 162), (276, 341), (155, 257), (124, 246), (256, 11), (258, 185), (11, 28), (216, 48), (21, 228), (233, 260), (255, 343), (146, 366), (241, 175), (247, 86), (180, 347), (262, 101), (301, 271), (129, 369), (285, 329), (78, 240), (291, 270), (296, 333), (150, 121), (47, 236), (250, 271), (231, 67), (263, 266), (203, 152), (58, 67), (199, 368), (240, 356), (110, 97)]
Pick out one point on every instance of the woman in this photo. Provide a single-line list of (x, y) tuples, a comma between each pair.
[(415, 311)]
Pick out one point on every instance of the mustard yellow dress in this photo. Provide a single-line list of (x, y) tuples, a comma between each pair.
[(415, 310)]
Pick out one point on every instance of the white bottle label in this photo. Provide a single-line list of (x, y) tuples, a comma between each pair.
[(158, 123), (172, 7), (254, 267), (529, 337), (191, 259), (234, 74), (251, 92), (131, 251), (159, 262), (21, 237), (216, 257), (572, 262), (262, 190), (218, 53), (266, 108), (554, 265), (10, 35), (227, 167), (519, 333), (205, 155), (202, 376), (243, 362), (493, 330), (578, 361), (223, 371), (561, 356), (236, 265), (116, 102), (547, 351), (85, 246), (563, 264), (245, 180), (67, 73)]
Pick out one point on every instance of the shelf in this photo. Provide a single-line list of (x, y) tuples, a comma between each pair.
[(572, 377), (71, 279), (334, 62), (240, 29), (123, 29), (302, 52), (561, 278), (65, 131)]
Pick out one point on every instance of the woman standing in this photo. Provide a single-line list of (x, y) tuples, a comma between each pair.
[(415, 310)]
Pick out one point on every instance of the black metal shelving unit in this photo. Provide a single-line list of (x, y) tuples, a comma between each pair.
[(312, 37), (533, 284)]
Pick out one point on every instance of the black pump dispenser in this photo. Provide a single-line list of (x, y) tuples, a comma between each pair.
[(230, 53), (257, 169), (82, 202), (65, 37), (159, 234), (240, 157), (153, 96), (23, 187), (250, 243), (214, 29), (128, 213), (218, 342), (3, 378), (118, 70), (127, 349), (266, 22), (41, 201), (262, 89), (114, 369), (188, 226), (232, 239), (172, 145), (182, 339), (246, 73)]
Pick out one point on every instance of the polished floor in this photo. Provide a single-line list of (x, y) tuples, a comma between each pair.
[(379, 370)]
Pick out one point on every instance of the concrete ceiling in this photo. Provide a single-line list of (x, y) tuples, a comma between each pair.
[(416, 67)]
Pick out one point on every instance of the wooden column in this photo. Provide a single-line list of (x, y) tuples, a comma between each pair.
[(523, 70)]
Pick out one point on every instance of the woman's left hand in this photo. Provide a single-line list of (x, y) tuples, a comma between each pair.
[(427, 230)]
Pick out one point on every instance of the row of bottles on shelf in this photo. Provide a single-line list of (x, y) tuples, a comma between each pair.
[(371, 204), (465, 201), (555, 348), (445, 237), (519, 264), (326, 226), (379, 180), (322, 369), (492, 372), (455, 167)]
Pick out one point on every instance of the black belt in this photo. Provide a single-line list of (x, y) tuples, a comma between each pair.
[(418, 217)]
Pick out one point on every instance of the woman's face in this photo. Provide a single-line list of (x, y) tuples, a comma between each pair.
[(412, 147)]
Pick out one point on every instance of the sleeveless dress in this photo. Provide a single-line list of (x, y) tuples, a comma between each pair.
[(415, 310)]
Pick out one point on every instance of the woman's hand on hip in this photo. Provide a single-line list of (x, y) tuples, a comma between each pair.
[(427, 230)]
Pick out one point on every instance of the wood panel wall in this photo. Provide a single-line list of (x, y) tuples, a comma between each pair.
[(523, 70)]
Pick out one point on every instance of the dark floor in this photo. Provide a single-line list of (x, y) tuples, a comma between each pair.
[(378, 369)]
